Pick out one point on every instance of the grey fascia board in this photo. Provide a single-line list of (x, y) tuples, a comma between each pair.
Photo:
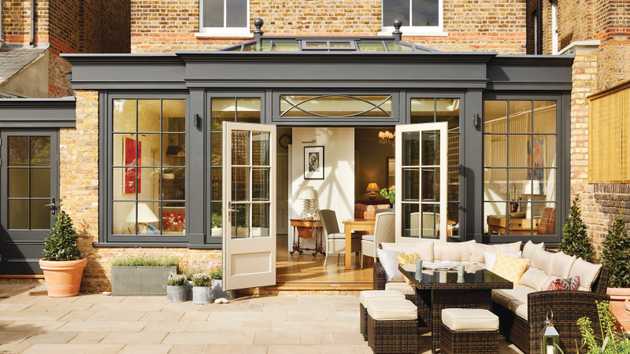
[(38, 112)]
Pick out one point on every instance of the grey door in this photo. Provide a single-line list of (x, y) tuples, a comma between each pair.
[(28, 197)]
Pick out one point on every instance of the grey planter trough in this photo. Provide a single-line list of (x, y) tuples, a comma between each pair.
[(140, 280)]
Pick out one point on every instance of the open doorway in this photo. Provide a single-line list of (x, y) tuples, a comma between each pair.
[(356, 164)]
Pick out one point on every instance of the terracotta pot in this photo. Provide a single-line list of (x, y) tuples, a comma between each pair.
[(618, 294), (63, 278)]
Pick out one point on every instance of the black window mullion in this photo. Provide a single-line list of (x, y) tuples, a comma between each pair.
[(136, 164), (160, 177)]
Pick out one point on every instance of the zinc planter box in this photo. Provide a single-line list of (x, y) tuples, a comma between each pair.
[(140, 280)]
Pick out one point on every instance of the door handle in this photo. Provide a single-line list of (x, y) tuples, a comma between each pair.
[(52, 206)]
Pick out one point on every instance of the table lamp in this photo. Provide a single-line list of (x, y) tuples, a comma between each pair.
[(146, 216), (309, 198), (372, 190)]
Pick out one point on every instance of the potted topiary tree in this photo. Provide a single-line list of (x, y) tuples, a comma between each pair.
[(61, 259), (616, 257), (201, 288), (575, 240)]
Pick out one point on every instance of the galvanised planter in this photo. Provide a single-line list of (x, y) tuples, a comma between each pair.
[(177, 293), (140, 281), (201, 295)]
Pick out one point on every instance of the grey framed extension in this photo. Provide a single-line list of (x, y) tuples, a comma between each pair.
[(400, 75)]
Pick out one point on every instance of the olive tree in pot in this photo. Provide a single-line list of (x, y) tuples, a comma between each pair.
[(177, 288), (616, 256), (201, 288), (61, 259)]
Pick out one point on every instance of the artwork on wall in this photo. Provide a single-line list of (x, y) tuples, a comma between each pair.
[(537, 158), (314, 162), (132, 153)]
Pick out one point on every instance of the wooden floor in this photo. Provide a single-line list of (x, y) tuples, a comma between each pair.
[(305, 272)]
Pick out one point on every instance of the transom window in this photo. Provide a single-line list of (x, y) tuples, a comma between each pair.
[(417, 16), (336, 106), (224, 17)]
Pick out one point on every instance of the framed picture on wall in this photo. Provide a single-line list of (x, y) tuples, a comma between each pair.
[(391, 171), (132, 151), (314, 162)]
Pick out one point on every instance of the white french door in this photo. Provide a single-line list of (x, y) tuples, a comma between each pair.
[(249, 210), (421, 181)]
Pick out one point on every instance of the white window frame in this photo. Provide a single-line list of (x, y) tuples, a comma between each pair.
[(223, 31), (438, 30)]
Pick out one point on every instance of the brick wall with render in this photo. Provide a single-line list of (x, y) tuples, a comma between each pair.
[(163, 26)]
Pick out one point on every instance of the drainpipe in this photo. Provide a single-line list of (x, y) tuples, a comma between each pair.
[(397, 34), (33, 24), (1, 24)]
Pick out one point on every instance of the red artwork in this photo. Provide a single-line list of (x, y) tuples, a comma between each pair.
[(133, 153), (173, 220)]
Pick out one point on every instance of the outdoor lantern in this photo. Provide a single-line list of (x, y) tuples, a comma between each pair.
[(551, 338)]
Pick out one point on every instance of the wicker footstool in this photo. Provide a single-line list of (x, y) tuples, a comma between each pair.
[(392, 326), (474, 331), (369, 295)]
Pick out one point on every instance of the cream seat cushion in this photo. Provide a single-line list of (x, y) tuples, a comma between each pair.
[(530, 249), (477, 250), (424, 248), (542, 259), (452, 251), (470, 320), (398, 310), (561, 265), (536, 279), (401, 287), (513, 299), (377, 294), (587, 272)]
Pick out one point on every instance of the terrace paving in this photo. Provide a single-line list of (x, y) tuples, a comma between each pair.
[(30, 322)]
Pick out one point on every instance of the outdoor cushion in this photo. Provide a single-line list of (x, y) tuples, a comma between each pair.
[(470, 319), (401, 287), (378, 294), (561, 265), (389, 261), (571, 283), (424, 248), (542, 260), (477, 250), (400, 310), (490, 258), (452, 251), (510, 268), (513, 299), (530, 249), (407, 258), (521, 311), (587, 271), (535, 278)]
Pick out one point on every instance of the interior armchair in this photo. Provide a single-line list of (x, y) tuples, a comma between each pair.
[(383, 232), (335, 240)]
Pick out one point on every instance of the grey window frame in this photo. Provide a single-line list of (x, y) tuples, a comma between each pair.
[(563, 168), (106, 237)]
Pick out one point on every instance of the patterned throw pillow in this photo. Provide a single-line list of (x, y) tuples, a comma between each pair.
[(408, 258), (571, 283), (510, 268)]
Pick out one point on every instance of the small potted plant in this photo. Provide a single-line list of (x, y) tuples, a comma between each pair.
[(389, 194), (217, 282), (177, 288), (61, 259), (615, 255), (201, 288)]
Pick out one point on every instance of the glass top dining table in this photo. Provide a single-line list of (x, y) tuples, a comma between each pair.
[(449, 279)]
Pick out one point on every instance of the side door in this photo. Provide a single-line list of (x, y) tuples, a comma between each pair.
[(249, 210), (29, 182), (421, 181)]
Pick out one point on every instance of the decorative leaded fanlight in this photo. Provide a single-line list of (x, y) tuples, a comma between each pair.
[(336, 106)]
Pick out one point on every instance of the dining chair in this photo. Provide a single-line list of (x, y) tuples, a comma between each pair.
[(335, 240), (384, 231)]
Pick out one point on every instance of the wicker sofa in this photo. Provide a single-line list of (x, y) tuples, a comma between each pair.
[(523, 323)]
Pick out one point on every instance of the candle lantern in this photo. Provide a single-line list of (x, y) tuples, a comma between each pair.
[(551, 337)]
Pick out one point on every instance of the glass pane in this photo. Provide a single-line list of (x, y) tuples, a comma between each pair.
[(148, 218), (240, 221), (174, 183), (260, 184), (124, 115), (371, 46), (430, 148), (520, 222), (222, 109), (496, 218), (495, 150), (240, 183), (248, 110), (174, 115), (544, 215), (260, 148), (174, 149), (148, 150), (149, 183), (173, 219), (123, 151), (216, 176), (124, 218), (546, 186), (411, 148), (543, 151), (411, 184), (452, 224), (520, 117), (447, 110), (240, 147), (518, 146), (519, 183), (494, 117), (40, 150), (422, 110), (335, 106), (40, 214), (149, 113), (40, 182), (410, 220), (124, 183), (395, 10), (18, 182), (236, 13), (18, 214), (216, 149), (18, 150), (544, 117), (430, 221), (430, 184), (216, 219), (425, 13), (213, 13), (495, 184), (260, 219), (285, 46)]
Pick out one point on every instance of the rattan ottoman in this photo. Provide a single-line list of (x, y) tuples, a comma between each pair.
[(469, 331), (369, 295), (392, 327)]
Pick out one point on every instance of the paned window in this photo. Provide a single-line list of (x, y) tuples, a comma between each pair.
[(417, 16), (224, 17)]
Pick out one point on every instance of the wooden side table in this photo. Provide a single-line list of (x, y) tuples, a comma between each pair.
[(307, 228)]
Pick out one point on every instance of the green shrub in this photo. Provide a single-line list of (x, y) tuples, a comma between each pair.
[(61, 243), (201, 279), (216, 273), (616, 254), (575, 240), (613, 342), (145, 261), (389, 194), (176, 280)]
